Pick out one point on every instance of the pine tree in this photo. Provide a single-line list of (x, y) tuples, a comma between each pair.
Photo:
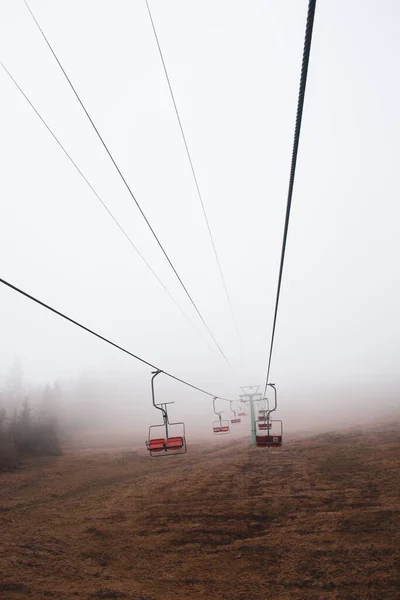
[(25, 415)]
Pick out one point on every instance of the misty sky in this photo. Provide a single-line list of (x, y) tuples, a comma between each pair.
[(234, 67)]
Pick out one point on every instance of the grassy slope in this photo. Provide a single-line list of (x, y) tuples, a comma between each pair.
[(316, 520)]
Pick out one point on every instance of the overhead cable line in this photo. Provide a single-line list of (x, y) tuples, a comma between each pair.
[(299, 115), (199, 194), (100, 200), (127, 185), (104, 339)]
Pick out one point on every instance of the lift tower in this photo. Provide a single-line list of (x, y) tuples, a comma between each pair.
[(251, 397)]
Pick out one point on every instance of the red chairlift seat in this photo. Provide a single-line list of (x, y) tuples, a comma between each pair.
[(174, 443), (156, 445), (221, 427), (235, 420)]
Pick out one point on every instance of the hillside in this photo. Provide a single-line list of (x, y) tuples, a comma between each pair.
[(318, 519)]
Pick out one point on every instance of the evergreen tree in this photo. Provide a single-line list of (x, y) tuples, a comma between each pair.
[(25, 415)]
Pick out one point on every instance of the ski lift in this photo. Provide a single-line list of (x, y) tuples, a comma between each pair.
[(274, 428), (167, 444), (263, 415), (220, 426), (242, 412), (235, 419)]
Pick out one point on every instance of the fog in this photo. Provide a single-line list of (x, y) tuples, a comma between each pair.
[(234, 67)]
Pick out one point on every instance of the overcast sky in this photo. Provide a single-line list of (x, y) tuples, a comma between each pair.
[(234, 67)]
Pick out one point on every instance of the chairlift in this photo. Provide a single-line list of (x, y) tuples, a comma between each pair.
[(234, 419), (221, 426), (273, 437), (242, 412), (165, 444)]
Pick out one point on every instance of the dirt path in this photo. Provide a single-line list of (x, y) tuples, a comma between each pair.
[(317, 520)]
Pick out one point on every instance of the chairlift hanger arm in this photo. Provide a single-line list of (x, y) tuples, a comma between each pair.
[(219, 414), (276, 400), (215, 410), (163, 410)]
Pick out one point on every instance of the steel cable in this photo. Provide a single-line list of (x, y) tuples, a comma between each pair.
[(104, 339), (299, 115), (199, 194), (100, 199), (127, 185)]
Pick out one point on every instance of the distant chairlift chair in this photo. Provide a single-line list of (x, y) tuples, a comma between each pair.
[(234, 419), (221, 426), (242, 412)]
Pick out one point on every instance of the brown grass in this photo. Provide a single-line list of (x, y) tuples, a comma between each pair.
[(318, 519), (9, 455)]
